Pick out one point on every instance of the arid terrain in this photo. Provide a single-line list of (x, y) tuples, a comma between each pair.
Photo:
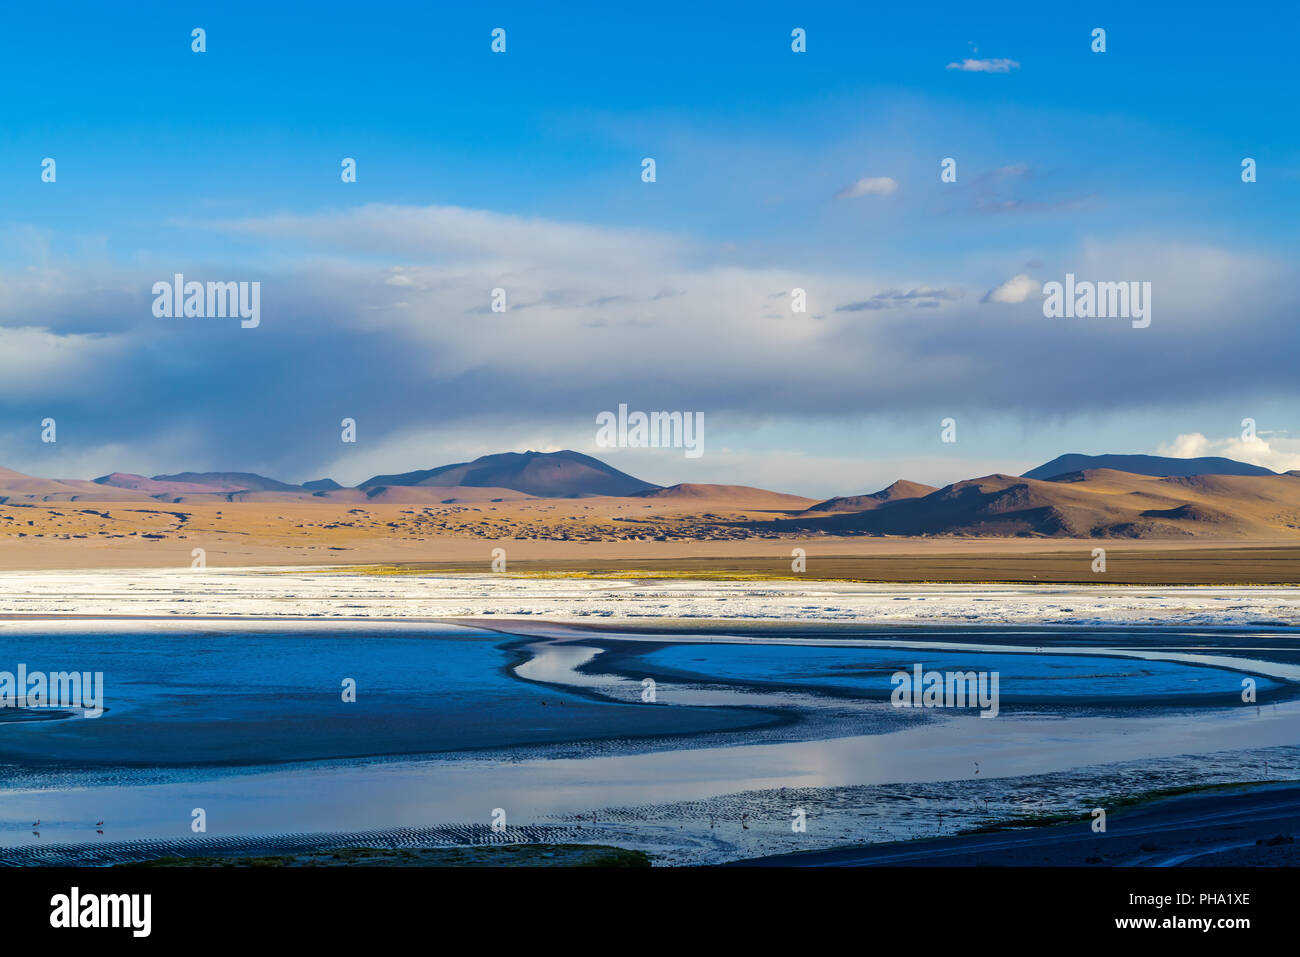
[(540, 507), (593, 536)]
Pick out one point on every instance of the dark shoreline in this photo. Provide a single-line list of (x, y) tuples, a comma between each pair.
[(1247, 824)]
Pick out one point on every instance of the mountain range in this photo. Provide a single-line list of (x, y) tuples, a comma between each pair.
[(1106, 496), (1158, 465), (1094, 503)]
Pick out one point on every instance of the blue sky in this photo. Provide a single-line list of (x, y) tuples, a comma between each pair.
[(522, 170)]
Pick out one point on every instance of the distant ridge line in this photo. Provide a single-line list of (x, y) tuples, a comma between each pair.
[(1161, 466)]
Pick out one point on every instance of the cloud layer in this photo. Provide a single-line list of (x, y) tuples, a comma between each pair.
[(384, 314)]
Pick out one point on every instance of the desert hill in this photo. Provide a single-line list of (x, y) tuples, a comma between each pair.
[(430, 494), (734, 495), (322, 485), (563, 474), (17, 487), (1095, 503), (859, 503), (231, 481)]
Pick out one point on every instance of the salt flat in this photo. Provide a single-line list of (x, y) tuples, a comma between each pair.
[(268, 593)]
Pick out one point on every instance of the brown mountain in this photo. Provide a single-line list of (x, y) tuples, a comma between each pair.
[(157, 487), (1100, 503), (426, 494), (230, 481), (736, 496), (544, 474), (19, 488), (901, 489), (197, 483)]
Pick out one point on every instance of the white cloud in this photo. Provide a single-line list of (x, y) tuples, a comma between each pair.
[(870, 186), (37, 361), (1191, 445), (1016, 289), (461, 234), (994, 65), (1279, 454)]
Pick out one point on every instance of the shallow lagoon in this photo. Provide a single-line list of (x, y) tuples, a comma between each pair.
[(252, 698), (246, 720), (1026, 678), (240, 696)]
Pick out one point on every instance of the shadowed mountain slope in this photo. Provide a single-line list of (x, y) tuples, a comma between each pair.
[(1158, 465), (545, 474)]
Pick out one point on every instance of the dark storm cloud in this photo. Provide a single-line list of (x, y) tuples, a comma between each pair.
[(409, 348)]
